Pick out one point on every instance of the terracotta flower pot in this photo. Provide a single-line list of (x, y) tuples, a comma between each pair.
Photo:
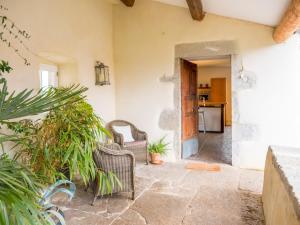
[(155, 158)]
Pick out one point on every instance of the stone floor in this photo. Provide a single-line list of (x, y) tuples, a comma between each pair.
[(170, 195), (215, 147)]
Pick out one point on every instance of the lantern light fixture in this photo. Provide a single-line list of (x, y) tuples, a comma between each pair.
[(102, 74)]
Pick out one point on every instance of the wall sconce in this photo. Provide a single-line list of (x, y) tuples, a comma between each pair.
[(102, 74)]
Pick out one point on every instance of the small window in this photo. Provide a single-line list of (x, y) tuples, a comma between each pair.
[(48, 76)]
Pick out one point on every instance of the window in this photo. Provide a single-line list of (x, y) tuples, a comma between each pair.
[(48, 76)]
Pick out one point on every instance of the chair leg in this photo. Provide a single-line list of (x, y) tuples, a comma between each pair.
[(147, 157), (95, 198), (95, 190), (132, 195), (204, 124)]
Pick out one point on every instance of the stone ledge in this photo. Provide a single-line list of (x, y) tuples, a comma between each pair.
[(287, 162)]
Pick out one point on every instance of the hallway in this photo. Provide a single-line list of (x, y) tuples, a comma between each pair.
[(215, 147)]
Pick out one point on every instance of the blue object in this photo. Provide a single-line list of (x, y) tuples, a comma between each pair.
[(52, 212)]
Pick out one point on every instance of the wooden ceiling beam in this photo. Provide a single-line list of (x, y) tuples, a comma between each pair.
[(128, 3), (289, 24), (196, 9)]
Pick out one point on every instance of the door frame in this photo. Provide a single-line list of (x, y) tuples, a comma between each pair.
[(171, 119), (180, 90)]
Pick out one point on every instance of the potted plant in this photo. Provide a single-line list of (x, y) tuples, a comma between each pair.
[(62, 144), (157, 149)]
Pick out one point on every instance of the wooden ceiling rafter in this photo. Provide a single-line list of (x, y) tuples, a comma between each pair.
[(128, 3), (196, 9), (289, 24)]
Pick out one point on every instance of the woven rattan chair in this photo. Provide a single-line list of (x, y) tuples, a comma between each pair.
[(138, 147), (110, 158)]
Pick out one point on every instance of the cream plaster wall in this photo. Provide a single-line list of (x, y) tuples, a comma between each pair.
[(138, 44), (206, 73), (70, 34), (145, 37)]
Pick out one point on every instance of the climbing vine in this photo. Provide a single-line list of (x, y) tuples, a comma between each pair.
[(12, 36)]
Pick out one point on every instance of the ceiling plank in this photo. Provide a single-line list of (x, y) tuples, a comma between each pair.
[(196, 9), (289, 24), (128, 3)]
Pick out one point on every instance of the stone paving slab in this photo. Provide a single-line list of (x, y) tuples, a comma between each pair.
[(169, 195), (251, 180)]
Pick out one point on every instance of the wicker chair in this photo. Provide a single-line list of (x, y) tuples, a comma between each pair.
[(138, 147), (120, 162)]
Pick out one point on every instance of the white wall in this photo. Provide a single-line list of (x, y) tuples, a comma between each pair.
[(272, 104), (71, 34), (144, 40)]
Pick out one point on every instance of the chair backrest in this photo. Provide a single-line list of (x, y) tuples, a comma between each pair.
[(110, 125), (109, 160)]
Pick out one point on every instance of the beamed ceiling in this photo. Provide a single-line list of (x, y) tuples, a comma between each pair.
[(282, 14)]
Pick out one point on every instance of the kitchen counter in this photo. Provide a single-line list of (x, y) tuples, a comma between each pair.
[(211, 104), (213, 114)]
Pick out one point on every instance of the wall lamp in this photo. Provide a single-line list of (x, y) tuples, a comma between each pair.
[(102, 74)]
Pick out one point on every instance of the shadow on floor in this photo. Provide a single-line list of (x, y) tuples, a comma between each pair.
[(251, 208)]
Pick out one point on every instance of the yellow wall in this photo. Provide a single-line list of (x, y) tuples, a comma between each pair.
[(73, 35), (206, 73)]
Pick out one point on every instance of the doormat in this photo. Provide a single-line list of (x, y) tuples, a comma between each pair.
[(203, 166)]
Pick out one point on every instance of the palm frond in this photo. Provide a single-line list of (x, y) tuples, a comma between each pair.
[(26, 104), (19, 189)]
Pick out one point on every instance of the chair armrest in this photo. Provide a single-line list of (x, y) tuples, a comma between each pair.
[(112, 146), (141, 135)]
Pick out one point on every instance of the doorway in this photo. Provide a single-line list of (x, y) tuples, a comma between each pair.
[(206, 109)]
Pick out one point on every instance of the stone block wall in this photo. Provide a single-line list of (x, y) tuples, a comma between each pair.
[(281, 189)]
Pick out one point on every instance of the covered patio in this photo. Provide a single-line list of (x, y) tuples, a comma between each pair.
[(159, 112)]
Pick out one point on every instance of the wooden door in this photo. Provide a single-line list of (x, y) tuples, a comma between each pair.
[(189, 100), (218, 90)]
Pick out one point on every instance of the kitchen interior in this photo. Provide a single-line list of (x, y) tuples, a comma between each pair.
[(214, 109)]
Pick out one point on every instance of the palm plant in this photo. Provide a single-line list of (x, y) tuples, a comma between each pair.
[(18, 194), (26, 103), (21, 201), (18, 185)]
